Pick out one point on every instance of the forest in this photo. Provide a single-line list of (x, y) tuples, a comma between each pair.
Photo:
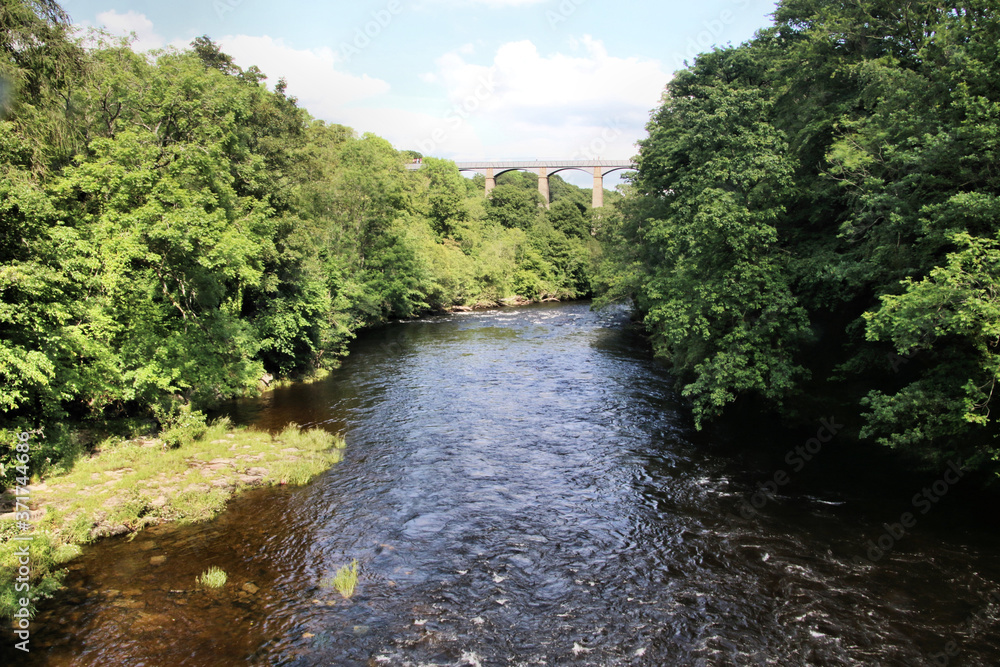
[(172, 232), (813, 229)]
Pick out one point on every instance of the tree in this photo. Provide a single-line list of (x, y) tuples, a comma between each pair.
[(714, 287), (569, 217), (513, 207), (212, 56), (446, 196), (818, 202)]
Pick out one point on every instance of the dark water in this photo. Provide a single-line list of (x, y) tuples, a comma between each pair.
[(521, 487)]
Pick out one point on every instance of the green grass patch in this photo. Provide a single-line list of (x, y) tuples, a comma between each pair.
[(345, 581), (129, 484), (213, 577)]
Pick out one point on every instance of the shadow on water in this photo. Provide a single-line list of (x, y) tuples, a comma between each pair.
[(524, 487)]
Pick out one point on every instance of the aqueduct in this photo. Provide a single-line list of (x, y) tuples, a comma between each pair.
[(544, 169)]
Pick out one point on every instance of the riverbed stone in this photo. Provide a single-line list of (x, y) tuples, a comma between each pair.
[(147, 622), (157, 560), (219, 464), (251, 588), (128, 603)]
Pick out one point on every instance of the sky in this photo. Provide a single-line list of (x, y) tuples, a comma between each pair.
[(458, 79)]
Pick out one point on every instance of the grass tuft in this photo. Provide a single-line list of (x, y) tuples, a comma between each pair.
[(345, 580), (213, 577)]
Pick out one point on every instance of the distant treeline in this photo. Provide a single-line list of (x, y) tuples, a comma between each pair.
[(814, 225), (171, 231)]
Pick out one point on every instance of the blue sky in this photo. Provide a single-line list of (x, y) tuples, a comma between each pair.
[(461, 79)]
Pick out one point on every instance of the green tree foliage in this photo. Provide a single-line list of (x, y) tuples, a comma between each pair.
[(171, 231), (818, 202), (715, 291), (446, 195), (570, 218), (513, 206), (39, 341)]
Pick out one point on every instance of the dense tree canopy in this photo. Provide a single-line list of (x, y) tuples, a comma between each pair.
[(816, 216), (171, 231)]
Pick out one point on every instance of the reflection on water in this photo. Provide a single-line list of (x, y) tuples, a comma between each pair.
[(520, 488)]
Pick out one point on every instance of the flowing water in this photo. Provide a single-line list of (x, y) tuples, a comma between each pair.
[(522, 487)]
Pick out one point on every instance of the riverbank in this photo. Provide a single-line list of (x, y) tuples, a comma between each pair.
[(269, 382), (126, 485), (509, 302)]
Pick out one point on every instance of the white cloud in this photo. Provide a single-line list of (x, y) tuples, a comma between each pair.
[(519, 104), (312, 74), (131, 22), (586, 104)]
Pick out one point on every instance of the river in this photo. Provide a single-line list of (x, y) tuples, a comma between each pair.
[(524, 487)]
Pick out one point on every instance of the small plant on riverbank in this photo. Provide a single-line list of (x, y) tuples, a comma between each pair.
[(46, 554), (345, 580), (213, 577), (184, 428)]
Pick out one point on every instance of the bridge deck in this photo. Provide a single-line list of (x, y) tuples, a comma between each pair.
[(537, 164), (544, 169)]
